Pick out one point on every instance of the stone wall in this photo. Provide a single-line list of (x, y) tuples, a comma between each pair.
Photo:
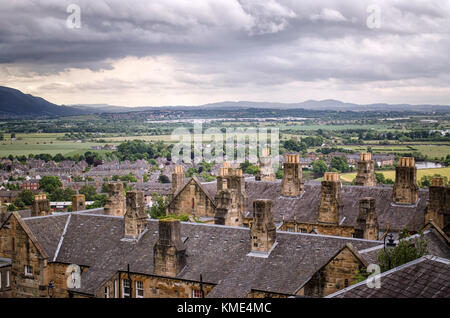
[(192, 200), (16, 245), (154, 286), (339, 273)]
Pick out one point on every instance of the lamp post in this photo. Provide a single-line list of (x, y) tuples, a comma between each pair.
[(51, 289), (390, 243)]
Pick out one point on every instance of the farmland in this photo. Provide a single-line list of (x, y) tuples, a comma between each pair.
[(390, 174)]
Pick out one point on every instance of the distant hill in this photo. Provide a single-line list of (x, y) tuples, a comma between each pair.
[(328, 104), (15, 104)]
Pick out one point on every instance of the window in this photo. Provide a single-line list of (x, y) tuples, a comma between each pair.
[(346, 283), (196, 293), (126, 288), (7, 279), (139, 290), (106, 292), (116, 290), (28, 270)]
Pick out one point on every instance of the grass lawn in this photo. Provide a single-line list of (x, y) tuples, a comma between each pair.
[(42, 143), (390, 174)]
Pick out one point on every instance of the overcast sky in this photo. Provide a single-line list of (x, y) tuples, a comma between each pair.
[(191, 52)]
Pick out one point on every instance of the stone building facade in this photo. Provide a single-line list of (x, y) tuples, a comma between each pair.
[(193, 200)]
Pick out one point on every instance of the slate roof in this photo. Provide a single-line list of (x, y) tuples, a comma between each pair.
[(426, 277), (218, 253), (305, 207)]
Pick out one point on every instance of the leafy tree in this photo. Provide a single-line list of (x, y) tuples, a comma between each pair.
[(99, 201), (128, 178), (340, 164), (280, 172), (159, 206), (164, 179), (89, 192), (26, 196), (319, 167), (19, 204), (105, 187), (295, 145), (404, 252), (425, 181), (49, 183), (249, 168)]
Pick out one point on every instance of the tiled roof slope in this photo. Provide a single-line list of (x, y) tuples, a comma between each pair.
[(305, 207), (427, 277), (218, 253)]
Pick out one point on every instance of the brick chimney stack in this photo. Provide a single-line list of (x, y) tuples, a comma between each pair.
[(231, 197), (263, 230), (115, 204), (135, 218), (178, 180), (330, 206), (439, 203), (169, 252), (292, 184), (367, 223), (78, 202), (366, 171), (405, 187), (265, 169), (40, 205)]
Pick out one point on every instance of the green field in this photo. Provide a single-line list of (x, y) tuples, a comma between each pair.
[(430, 150), (390, 174), (42, 143)]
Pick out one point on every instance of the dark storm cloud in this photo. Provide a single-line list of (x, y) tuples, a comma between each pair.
[(263, 42)]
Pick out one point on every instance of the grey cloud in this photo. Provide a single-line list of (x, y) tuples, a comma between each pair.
[(235, 41)]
